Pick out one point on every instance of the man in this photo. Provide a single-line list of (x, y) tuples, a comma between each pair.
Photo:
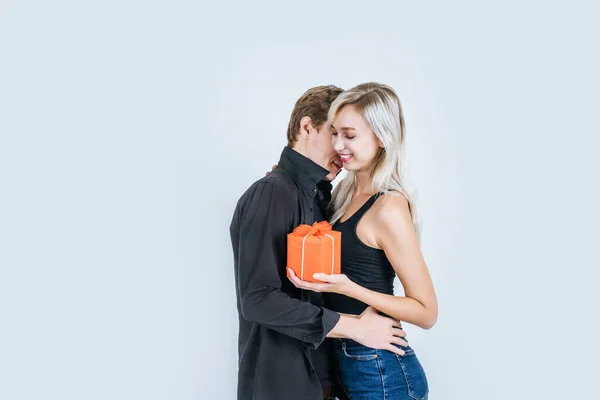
[(282, 354)]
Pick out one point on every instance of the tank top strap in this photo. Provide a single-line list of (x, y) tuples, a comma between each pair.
[(365, 207)]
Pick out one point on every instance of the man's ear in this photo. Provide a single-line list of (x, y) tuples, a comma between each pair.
[(306, 127)]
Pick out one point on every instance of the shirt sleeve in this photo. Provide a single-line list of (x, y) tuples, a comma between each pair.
[(263, 227)]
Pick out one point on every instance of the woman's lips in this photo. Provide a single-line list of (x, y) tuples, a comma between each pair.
[(345, 157)]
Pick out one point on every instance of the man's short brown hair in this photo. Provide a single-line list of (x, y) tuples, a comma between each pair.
[(315, 104)]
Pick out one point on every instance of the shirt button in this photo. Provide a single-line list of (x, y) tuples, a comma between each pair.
[(314, 190), (304, 337)]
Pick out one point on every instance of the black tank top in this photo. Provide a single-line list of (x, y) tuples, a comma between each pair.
[(365, 265)]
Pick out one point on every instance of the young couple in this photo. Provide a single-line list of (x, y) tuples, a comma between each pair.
[(298, 340)]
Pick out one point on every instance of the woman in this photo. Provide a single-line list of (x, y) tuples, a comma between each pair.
[(376, 215)]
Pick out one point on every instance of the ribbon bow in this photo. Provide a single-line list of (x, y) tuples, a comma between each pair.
[(317, 229)]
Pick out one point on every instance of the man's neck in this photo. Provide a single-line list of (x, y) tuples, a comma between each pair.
[(301, 148), (302, 168)]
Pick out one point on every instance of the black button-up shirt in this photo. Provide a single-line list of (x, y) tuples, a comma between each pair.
[(281, 327)]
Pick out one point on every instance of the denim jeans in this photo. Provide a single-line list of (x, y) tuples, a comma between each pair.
[(369, 374)]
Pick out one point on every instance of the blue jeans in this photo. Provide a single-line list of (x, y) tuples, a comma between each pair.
[(369, 374)]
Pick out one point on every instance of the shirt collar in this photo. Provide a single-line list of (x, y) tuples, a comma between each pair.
[(302, 170)]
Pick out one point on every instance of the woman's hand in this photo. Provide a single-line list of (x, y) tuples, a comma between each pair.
[(336, 283), (273, 168)]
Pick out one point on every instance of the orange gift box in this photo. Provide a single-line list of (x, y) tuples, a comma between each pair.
[(313, 249)]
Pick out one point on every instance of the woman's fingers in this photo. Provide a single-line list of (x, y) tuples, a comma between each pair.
[(292, 277), (300, 284)]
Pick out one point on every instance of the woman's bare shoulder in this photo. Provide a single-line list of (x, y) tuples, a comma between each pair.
[(391, 207)]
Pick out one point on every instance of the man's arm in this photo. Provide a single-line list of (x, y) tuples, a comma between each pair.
[(263, 227)]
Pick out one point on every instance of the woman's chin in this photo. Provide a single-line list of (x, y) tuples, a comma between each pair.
[(349, 167)]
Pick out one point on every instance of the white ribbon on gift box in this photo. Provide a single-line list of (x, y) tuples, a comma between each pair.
[(332, 254)]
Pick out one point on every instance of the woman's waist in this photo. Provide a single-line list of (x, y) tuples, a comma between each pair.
[(349, 305), (343, 304), (377, 281)]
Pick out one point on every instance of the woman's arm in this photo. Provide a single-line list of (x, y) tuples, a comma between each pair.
[(401, 308), (350, 315), (396, 235)]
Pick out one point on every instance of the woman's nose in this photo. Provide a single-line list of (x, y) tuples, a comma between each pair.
[(338, 143)]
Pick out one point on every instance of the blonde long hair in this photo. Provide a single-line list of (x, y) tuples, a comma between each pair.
[(380, 107)]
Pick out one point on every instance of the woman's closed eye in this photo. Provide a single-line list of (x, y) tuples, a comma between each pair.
[(346, 136)]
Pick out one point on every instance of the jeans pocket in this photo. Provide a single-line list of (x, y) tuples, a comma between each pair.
[(356, 351), (416, 380)]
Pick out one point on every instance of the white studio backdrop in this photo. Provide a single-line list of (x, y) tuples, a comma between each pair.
[(129, 129)]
